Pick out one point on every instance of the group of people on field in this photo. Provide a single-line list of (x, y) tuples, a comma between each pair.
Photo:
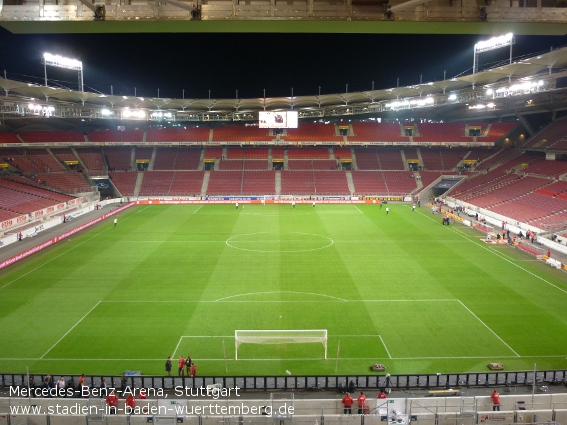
[(185, 366)]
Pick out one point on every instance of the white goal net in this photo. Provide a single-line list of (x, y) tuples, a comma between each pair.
[(299, 336)]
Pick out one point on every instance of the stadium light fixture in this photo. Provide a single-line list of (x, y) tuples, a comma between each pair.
[(492, 44), (62, 62)]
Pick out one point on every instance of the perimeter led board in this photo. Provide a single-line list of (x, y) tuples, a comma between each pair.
[(283, 119)]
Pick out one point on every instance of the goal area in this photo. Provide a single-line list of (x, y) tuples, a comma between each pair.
[(298, 336)]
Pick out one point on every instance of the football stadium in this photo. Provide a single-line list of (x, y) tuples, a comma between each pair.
[(410, 240)]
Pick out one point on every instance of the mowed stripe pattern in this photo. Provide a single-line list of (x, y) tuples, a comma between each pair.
[(398, 289)]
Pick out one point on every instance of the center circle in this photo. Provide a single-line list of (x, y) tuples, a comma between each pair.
[(282, 242)]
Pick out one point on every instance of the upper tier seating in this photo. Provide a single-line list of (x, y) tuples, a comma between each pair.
[(119, 158), (497, 130), (312, 132), (441, 159), (6, 137), (391, 132), (52, 136), (35, 160), (441, 132), (239, 133), (364, 132), (189, 134), (367, 159), (131, 136), (93, 160), (549, 135), (177, 159), (64, 154)]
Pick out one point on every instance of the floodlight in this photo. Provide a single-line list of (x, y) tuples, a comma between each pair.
[(62, 62), (491, 44), (452, 96)]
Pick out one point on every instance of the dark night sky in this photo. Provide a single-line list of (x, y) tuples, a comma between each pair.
[(250, 62)]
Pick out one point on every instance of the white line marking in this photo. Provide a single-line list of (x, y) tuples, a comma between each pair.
[(63, 253), (295, 359), (386, 348), (67, 333), (487, 327), (195, 212), (358, 209), (499, 254), (281, 292), (177, 346), (222, 300)]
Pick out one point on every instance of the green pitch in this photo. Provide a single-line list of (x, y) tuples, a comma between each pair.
[(399, 289)]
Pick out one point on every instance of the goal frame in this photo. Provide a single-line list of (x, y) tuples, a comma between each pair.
[(280, 336)]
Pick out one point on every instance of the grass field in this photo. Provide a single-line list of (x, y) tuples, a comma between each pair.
[(399, 289)]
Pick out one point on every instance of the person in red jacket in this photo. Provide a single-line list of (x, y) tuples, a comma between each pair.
[(181, 364), (495, 396), (112, 402), (382, 394), (130, 404), (347, 401), (361, 400), (193, 370)]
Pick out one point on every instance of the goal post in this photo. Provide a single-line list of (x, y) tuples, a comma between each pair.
[(271, 336)]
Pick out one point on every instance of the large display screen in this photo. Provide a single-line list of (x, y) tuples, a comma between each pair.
[(282, 119)]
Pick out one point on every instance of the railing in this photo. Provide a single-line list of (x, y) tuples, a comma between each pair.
[(311, 382)]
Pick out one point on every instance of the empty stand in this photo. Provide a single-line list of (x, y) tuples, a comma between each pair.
[(6, 137), (172, 183), (297, 182), (259, 183), (441, 132), (225, 183), (119, 158), (189, 134), (239, 133), (52, 137), (496, 131), (364, 132), (316, 164), (342, 153), (547, 168), (549, 135), (308, 153), (93, 160), (312, 132), (125, 181), (331, 183)]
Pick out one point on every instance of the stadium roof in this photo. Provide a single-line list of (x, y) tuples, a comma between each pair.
[(536, 67)]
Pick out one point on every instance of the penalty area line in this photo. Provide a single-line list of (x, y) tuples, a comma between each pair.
[(488, 327), (67, 333)]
